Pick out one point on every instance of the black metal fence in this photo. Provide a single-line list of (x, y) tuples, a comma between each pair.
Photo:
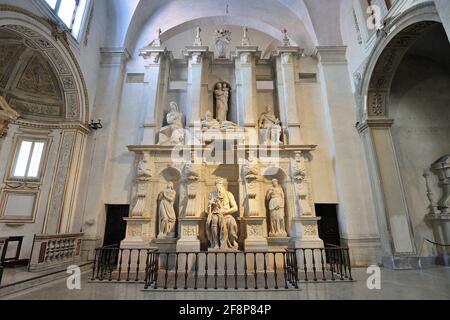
[(222, 270)]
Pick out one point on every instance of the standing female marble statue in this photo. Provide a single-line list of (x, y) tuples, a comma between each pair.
[(173, 133), (222, 95), (221, 227), (275, 197), (167, 216), (270, 127)]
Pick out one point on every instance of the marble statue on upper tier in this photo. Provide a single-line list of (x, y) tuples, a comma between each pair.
[(167, 216), (221, 227), (173, 133), (222, 96), (276, 200), (209, 123), (269, 127)]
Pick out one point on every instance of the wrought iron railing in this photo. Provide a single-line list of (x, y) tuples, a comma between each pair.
[(274, 270)]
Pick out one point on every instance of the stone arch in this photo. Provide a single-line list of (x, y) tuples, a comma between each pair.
[(49, 59), (373, 85)]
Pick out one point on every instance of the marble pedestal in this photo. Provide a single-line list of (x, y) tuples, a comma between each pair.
[(189, 230), (135, 238), (306, 233), (441, 229), (255, 240)]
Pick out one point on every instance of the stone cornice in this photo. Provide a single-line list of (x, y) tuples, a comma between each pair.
[(49, 126), (375, 123), (114, 56), (332, 55)]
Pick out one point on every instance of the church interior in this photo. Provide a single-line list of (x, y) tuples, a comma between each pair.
[(162, 145)]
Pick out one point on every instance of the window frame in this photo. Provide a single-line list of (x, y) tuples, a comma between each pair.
[(15, 156), (52, 13)]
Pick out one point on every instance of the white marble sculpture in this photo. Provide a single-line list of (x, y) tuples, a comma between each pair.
[(276, 203), (298, 168), (198, 39), (209, 123), (173, 133), (286, 40), (222, 96), (167, 216), (269, 127), (221, 227)]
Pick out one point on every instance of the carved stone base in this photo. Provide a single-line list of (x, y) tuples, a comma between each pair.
[(135, 236), (306, 233), (255, 230), (189, 229)]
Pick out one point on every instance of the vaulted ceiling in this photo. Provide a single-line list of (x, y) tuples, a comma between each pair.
[(27, 79), (310, 22)]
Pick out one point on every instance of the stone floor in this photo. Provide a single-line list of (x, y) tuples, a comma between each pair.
[(433, 283)]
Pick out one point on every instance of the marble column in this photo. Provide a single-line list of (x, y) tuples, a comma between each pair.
[(356, 212), (156, 80), (392, 211), (287, 101), (106, 107), (245, 69), (196, 60)]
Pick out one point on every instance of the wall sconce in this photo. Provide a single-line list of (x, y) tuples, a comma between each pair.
[(96, 125)]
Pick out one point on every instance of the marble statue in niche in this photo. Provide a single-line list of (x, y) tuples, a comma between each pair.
[(6, 115), (167, 216), (221, 227), (222, 96), (276, 205), (173, 133), (222, 40), (269, 127)]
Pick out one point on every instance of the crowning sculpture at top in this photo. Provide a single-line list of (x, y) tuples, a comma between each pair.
[(167, 216), (221, 227)]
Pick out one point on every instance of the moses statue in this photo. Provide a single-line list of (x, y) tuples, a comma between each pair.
[(221, 227)]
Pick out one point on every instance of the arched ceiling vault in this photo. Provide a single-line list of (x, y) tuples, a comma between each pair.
[(303, 19)]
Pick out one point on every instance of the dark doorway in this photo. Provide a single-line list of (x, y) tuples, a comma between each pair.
[(328, 225), (115, 225)]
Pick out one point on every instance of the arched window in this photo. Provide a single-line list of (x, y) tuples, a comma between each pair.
[(70, 12)]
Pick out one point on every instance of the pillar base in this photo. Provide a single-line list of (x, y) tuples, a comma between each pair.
[(135, 238)]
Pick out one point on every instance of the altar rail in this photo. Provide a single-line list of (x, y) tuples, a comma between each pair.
[(159, 270), (51, 251)]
